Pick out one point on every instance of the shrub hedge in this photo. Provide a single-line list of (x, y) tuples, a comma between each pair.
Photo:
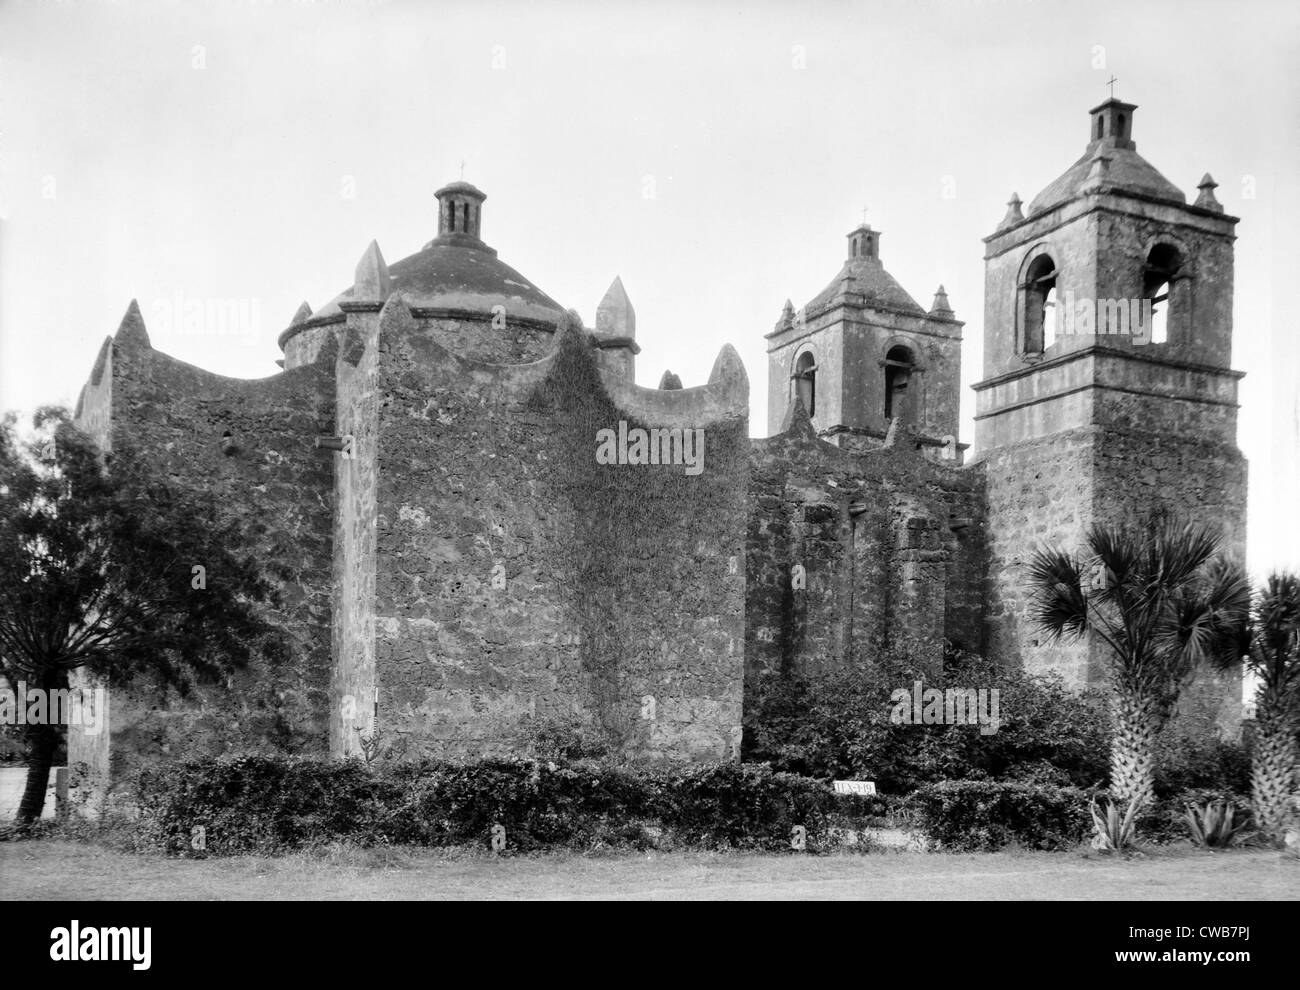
[(839, 725), (271, 804), (984, 815)]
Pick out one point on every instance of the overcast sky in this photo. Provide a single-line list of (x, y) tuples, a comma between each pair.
[(712, 154)]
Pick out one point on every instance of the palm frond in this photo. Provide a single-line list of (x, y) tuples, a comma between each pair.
[(1059, 604)]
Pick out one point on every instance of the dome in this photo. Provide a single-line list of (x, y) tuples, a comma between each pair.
[(456, 271), (862, 274), (1111, 158), (461, 277), (1125, 169)]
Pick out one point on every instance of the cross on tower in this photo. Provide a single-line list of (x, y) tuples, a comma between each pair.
[(864, 215), (1111, 83), (462, 168)]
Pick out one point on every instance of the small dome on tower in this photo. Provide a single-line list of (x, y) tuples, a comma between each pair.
[(1110, 161), (863, 276)]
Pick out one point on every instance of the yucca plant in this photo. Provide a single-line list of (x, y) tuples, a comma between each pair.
[(1113, 829), (1271, 648), (1163, 603), (1212, 825)]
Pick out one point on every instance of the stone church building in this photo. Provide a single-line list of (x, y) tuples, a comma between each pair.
[(459, 563)]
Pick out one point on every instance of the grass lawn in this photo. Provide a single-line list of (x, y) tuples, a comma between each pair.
[(60, 869)]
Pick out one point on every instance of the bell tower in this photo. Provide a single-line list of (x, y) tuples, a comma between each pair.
[(863, 354), (1108, 390)]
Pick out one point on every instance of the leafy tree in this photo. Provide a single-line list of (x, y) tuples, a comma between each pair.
[(1271, 646), (107, 568), (1164, 603)]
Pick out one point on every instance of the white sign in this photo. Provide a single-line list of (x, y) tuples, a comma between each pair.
[(855, 786)]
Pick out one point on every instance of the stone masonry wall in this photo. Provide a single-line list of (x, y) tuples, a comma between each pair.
[(273, 478), (1195, 479), (1039, 492), (353, 681), (519, 580), (891, 546)]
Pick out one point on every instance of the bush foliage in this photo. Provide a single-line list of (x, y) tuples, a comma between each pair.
[(838, 725), (1028, 784), (984, 815), (270, 804)]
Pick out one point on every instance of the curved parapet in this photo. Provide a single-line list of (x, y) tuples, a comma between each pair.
[(726, 396), (402, 336)]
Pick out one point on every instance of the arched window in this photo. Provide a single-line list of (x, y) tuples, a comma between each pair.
[(1165, 287), (900, 368), (1120, 128), (805, 382), (1038, 305), (855, 249), (1101, 127)]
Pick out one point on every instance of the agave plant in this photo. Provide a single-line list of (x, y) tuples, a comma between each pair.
[(1163, 603), (1114, 829), (1212, 825)]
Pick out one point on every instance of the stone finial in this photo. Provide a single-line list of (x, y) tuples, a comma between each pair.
[(302, 315), (787, 315), (728, 367), (372, 281), (1207, 200), (131, 332), (615, 316), (1014, 213), (940, 304), (669, 382)]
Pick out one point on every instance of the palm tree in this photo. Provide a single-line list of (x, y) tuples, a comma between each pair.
[(96, 574), (1163, 603), (1271, 646)]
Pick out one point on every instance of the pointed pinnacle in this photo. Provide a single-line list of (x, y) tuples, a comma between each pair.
[(372, 281), (615, 315), (669, 382), (1207, 200), (132, 330)]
